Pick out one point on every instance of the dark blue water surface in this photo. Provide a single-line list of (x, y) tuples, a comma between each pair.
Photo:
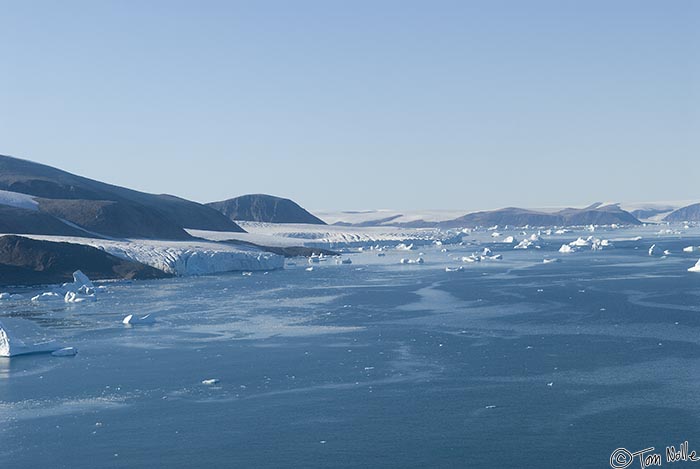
[(510, 363)]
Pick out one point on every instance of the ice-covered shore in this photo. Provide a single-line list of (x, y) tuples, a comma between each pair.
[(182, 258)]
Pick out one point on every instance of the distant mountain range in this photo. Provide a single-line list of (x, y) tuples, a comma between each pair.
[(73, 205), (265, 208), (596, 214), (689, 213)]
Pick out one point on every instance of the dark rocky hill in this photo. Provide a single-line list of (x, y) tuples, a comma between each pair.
[(688, 213), (265, 208), (25, 261), (512, 216), (107, 209)]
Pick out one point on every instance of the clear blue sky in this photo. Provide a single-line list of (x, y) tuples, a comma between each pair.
[(360, 104)]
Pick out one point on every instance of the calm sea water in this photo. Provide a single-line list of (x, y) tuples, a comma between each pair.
[(510, 363)]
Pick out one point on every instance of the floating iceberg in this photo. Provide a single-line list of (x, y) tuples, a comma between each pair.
[(77, 297), (65, 352), (686, 249), (695, 268), (404, 247), (5, 296), (524, 244), (11, 345), (580, 242), (652, 249), (454, 269), (565, 248), (211, 381), (420, 260), (132, 320), (48, 296), (550, 261)]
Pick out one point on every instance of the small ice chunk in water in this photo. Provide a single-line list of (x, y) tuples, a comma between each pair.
[(689, 249), (211, 381), (5, 296), (652, 249), (309, 269), (550, 261), (135, 320), (565, 248), (65, 352), (48, 296), (73, 297), (695, 268)]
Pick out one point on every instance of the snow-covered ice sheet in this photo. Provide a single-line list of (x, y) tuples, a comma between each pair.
[(339, 236)]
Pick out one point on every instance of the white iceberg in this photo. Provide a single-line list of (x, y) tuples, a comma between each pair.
[(580, 242), (454, 269), (11, 345), (524, 244), (689, 249), (550, 260), (48, 296), (652, 249), (78, 297), (5, 296), (695, 268), (132, 320), (404, 247), (565, 248)]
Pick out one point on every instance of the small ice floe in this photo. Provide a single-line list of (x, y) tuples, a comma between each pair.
[(508, 240), (210, 381), (652, 249), (420, 260), (667, 252), (496, 257), (132, 320), (695, 268), (76, 297), (580, 242), (550, 260), (404, 247), (5, 296), (685, 249), (486, 252), (524, 244), (562, 231), (454, 269), (550, 384), (247, 274), (495, 234), (309, 269), (48, 296), (471, 259), (65, 352), (490, 407), (565, 248)]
